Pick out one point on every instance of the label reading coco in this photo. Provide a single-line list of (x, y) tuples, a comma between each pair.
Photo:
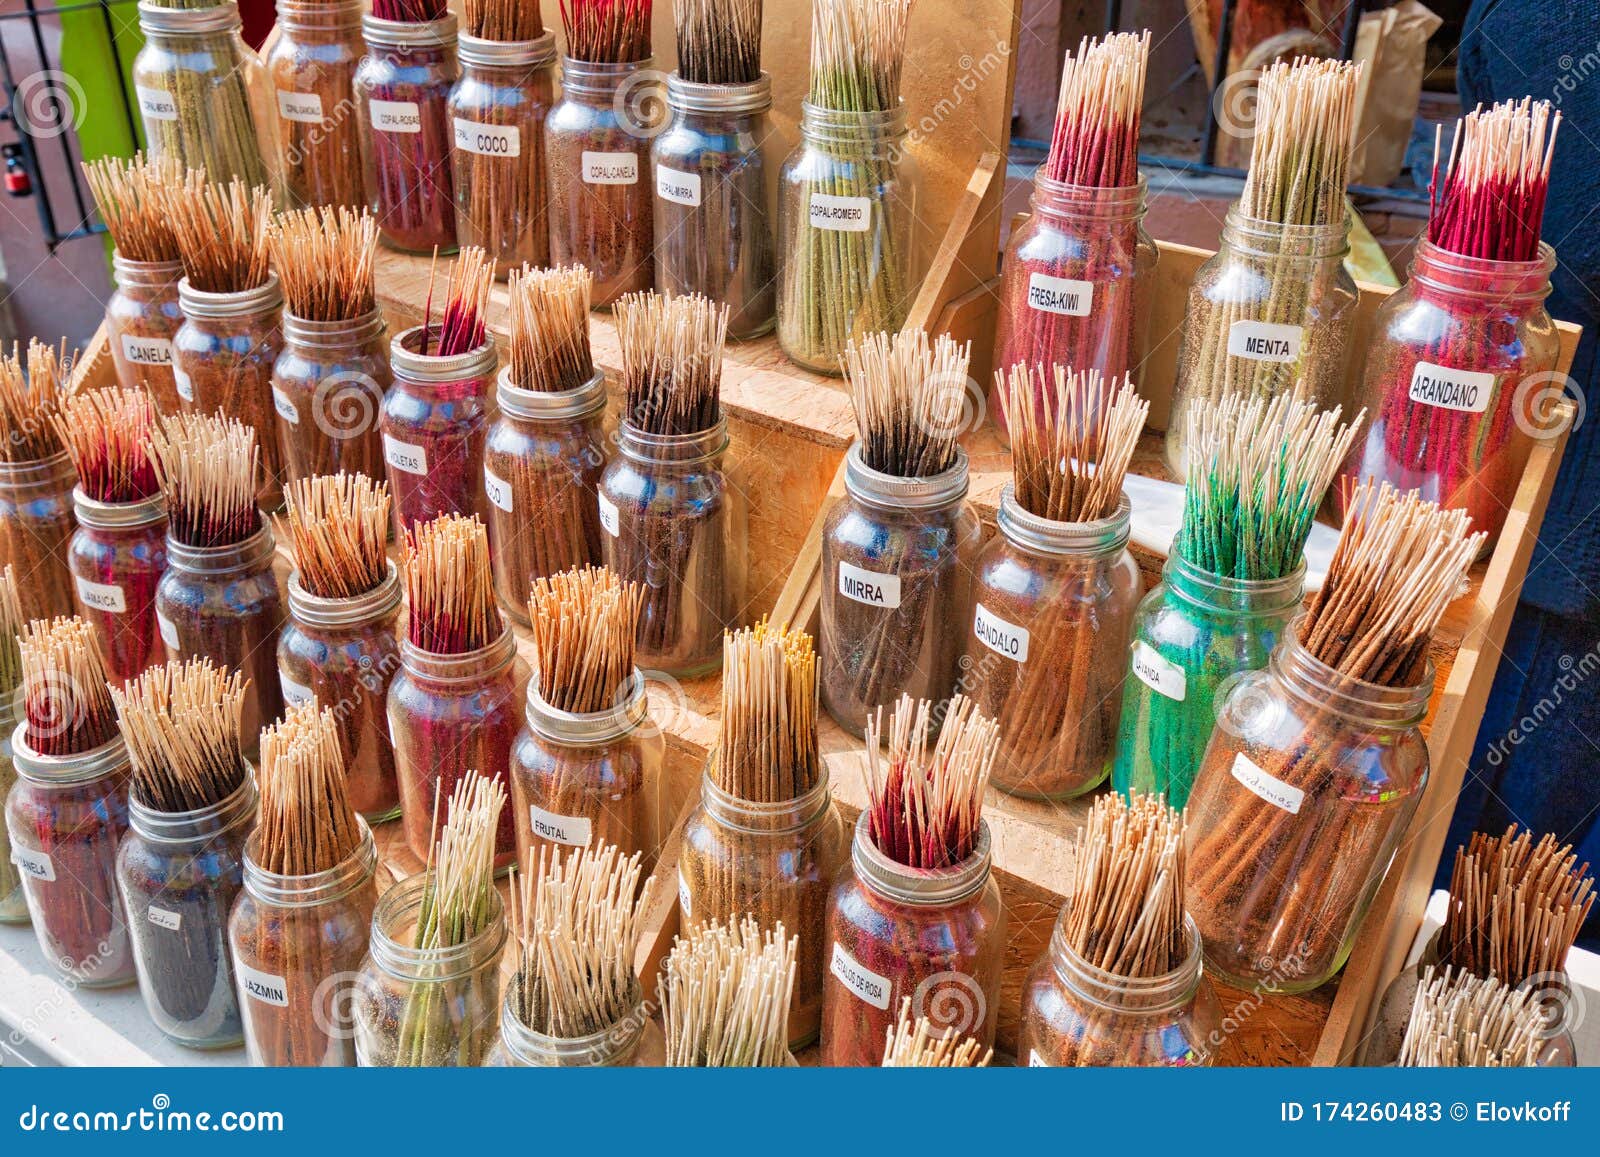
[(157, 104), (572, 830), (161, 918), (840, 214), (999, 636), (1468, 391), (405, 457), (36, 865), (396, 116), (304, 107), (146, 351), (1258, 782), (169, 631), (498, 489), (858, 978), (285, 406), (263, 986), (107, 597), (870, 587), (609, 516), (610, 168), (1060, 295), (1264, 341), (488, 140), (677, 186), (183, 382), (295, 693), (1160, 675)]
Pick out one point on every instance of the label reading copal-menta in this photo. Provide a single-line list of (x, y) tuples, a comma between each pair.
[(294, 692), (1468, 391), (262, 986), (609, 517), (869, 587), (183, 382), (404, 456), (610, 168), (161, 918), (1259, 782), (1000, 636), (839, 214), (107, 597), (304, 107), (1160, 675), (572, 830), (858, 978), (1264, 341), (146, 351), (34, 864), (169, 630), (157, 104), (498, 490), (1061, 295), (488, 140), (677, 186), (395, 116), (285, 406)]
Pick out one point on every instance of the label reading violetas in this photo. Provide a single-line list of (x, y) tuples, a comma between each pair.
[(285, 406), (858, 978), (608, 516), (610, 168), (677, 186), (1264, 341), (999, 636), (1060, 295), (169, 632), (146, 351), (865, 586), (488, 140), (161, 918), (295, 693), (1466, 390), (1160, 675), (685, 898), (840, 214), (263, 986), (107, 597), (1268, 787), (157, 104), (573, 830), (396, 116), (498, 490), (404, 456), (34, 864), (183, 382), (305, 107)]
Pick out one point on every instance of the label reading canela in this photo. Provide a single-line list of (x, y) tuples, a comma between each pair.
[(1466, 390), (498, 490), (858, 978), (1264, 341), (488, 140), (840, 214), (1257, 781), (161, 918), (870, 587), (305, 107), (157, 104), (999, 636), (573, 830), (677, 186), (183, 382), (295, 693), (169, 631), (285, 406), (1060, 295), (610, 168), (396, 116), (33, 864), (405, 457), (263, 986), (106, 597), (609, 516), (146, 351), (1160, 675)]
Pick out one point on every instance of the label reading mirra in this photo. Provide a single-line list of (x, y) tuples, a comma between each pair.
[(869, 587)]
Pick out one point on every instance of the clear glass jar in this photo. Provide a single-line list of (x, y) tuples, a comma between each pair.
[(1451, 352), (935, 935), (118, 555), (401, 88), (897, 556), (343, 654), (36, 527), (297, 943), (635, 1041), (1076, 283), (1192, 634), (200, 91), (66, 815), (774, 862), (584, 780), (13, 901), (434, 421), (542, 463), (1307, 786), (311, 67), (427, 1007), (1053, 606), (497, 114), (179, 874), (448, 715), (1076, 1014), (847, 204), (711, 218), (597, 152), (1270, 310), (675, 525), (222, 357), (222, 603), (141, 319), (327, 388)]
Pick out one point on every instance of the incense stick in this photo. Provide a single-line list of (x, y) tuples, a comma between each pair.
[(221, 231), (503, 20), (908, 394), (725, 994), (767, 739), (207, 467), (306, 825), (583, 626), (324, 259), (1471, 1021), (671, 361), (338, 528), (32, 388), (912, 1044), (131, 196), (448, 587), (1488, 200), (1095, 141), (463, 328), (1125, 915), (65, 698), (606, 31), (719, 41), (181, 724), (549, 328), (107, 432)]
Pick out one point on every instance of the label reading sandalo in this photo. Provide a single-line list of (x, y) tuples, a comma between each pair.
[(840, 214), (610, 168), (1061, 295), (395, 116), (161, 918), (263, 986), (1467, 391), (34, 864), (677, 186), (1160, 675), (1258, 781), (405, 457), (999, 636), (107, 597), (302, 107), (869, 587), (146, 351), (1264, 341), (858, 978), (498, 490), (575, 831), (488, 140)]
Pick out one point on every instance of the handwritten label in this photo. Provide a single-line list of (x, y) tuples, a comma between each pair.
[(609, 516), (146, 351), (107, 597), (262, 986), (285, 406), (157, 104), (488, 140), (610, 168), (573, 830), (1160, 675), (294, 693), (396, 116), (1264, 341), (1468, 391), (498, 490), (184, 383), (840, 214), (169, 632), (34, 864), (161, 918), (1257, 781), (1060, 295), (999, 636), (305, 107), (858, 978), (869, 587), (677, 186), (405, 457)]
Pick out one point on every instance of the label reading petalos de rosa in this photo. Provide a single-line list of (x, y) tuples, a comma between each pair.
[(858, 978)]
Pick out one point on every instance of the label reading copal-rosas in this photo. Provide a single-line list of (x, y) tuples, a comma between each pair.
[(404, 456), (146, 351), (1258, 781), (498, 490), (858, 978), (285, 406), (1060, 295), (304, 107), (575, 831), (677, 186), (1162, 676), (609, 516), (161, 918), (34, 864), (107, 597), (395, 116), (1468, 391), (157, 104), (839, 214), (869, 587), (488, 140), (1000, 636), (610, 168), (262, 986), (1264, 341)]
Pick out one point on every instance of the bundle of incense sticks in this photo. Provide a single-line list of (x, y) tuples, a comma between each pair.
[(908, 394), (767, 740), (408, 170), (337, 525), (719, 41), (1095, 141), (37, 524), (913, 1044), (503, 20), (107, 432), (671, 361), (207, 469), (222, 232), (1468, 1021), (549, 328), (324, 259), (1488, 200), (1126, 912), (131, 196), (606, 31), (1070, 453), (307, 825), (181, 723), (583, 624), (451, 599), (464, 326), (725, 994), (13, 905), (32, 388), (411, 11), (65, 696)]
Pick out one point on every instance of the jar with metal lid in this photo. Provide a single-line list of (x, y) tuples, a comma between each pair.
[(36, 527), (142, 317), (327, 388), (118, 555), (13, 902), (311, 67), (635, 1041)]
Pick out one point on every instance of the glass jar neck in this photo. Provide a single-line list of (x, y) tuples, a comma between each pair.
[(394, 928), (1320, 686), (56, 472), (511, 59), (200, 826), (1129, 994), (1088, 204), (1260, 238), (890, 491), (1478, 280), (469, 667), (306, 335), (158, 21), (95, 515), (875, 131), (1104, 538), (612, 1046), (420, 369), (349, 874), (589, 729), (922, 887), (694, 98), (590, 81), (791, 815), (374, 606), (550, 405), (247, 557), (103, 762), (410, 38), (319, 15), (248, 305), (160, 275), (673, 449), (1219, 595)]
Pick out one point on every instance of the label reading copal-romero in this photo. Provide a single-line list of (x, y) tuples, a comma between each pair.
[(839, 214)]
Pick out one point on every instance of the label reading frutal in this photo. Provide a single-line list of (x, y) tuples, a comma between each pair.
[(1466, 390), (1264, 341), (870, 587), (572, 830), (107, 597), (34, 864), (157, 104), (488, 140), (285, 406), (161, 918), (1060, 295), (262, 986), (184, 383), (395, 116), (610, 168), (169, 631), (146, 351), (677, 186), (498, 490), (840, 214), (609, 516), (305, 107), (295, 693), (1258, 782), (999, 636), (405, 457), (1160, 675), (685, 898), (858, 978)]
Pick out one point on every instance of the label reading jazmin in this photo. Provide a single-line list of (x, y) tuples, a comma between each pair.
[(396, 116), (488, 140), (295, 693), (169, 631), (840, 214), (1468, 391), (999, 636), (33, 863), (146, 351), (858, 978), (285, 406), (161, 918), (498, 490), (262, 986), (1060, 295), (610, 168), (608, 516), (1264, 341), (870, 587), (304, 107), (157, 104), (183, 382), (1160, 675), (107, 597), (405, 457), (572, 830), (677, 186), (1258, 781)]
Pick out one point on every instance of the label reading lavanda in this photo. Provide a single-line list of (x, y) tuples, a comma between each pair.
[(1158, 674), (146, 351), (304, 107), (396, 116), (285, 406), (1468, 391), (107, 597), (488, 140), (157, 104), (169, 631), (295, 693), (33, 863), (999, 636), (262, 986), (1060, 295), (858, 978), (161, 918), (1258, 782), (404, 456), (572, 830), (840, 214), (677, 186), (498, 490), (870, 587), (608, 516), (610, 168), (1264, 341)]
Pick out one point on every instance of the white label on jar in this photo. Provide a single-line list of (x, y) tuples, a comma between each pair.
[(870, 587), (184, 383), (498, 489), (1160, 675), (1035, 1061), (169, 632), (609, 516), (840, 214), (161, 918), (1257, 781), (262, 986), (157, 104), (677, 186), (405, 457), (1264, 341), (859, 979), (295, 693), (999, 636), (1060, 295), (1466, 390), (573, 830), (146, 351), (305, 107), (685, 897), (34, 864), (107, 597), (488, 140), (396, 116), (285, 406), (610, 168)]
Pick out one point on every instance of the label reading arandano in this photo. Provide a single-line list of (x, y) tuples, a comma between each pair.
[(1468, 391)]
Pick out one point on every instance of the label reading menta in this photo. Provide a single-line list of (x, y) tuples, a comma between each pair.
[(1060, 295), (488, 140), (262, 986), (1257, 781), (999, 636), (870, 587), (106, 597), (608, 516), (1158, 674), (840, 214), (161, 918), (498, 490), (858, 978), (1264, 341), (295, 693), (304, 107), (169, 630), (157, 104), (405, 457), (146, 351), (610, 168), (396, 116), (572, 830), (1466, 390), (677, 186), (285, 406), (33, 863)]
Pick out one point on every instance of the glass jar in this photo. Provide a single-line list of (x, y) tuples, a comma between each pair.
[(65, 816), (327, 388), (1053, 606), (427, 1007), (13, 901), (222, 603), (586, 779), (118, 555), (597, 152), (179, 874), (935, 935), (141, 319), (1075, 283), (1075, 1013), (541, 470), (1192, 634), (311, 67), (847, 205), (297, 942), (497, 114), (222, 358), (635, 1041), (401, 88), (1304, 793), (1269, 311), (434, 421), (448, 715), (200, 91), (774, 862), (1452, 353), (897, 554), (711, 216), (36, 527), (675, 525), (343, 654)]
